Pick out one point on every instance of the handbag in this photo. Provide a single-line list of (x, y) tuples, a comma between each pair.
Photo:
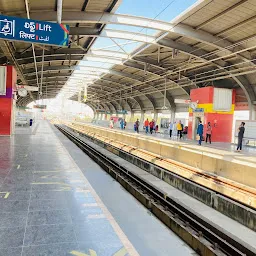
[(197, 137)]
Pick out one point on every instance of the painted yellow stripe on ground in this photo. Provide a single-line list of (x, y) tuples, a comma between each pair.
[(6, 194), (76, 253), (121, 252)]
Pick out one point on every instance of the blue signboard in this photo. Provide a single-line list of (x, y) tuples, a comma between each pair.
[(33, 31), (198, 110)]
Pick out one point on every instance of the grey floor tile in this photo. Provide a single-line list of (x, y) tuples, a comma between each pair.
[(49, 234), (24, 180), (84, 213), (13, 219), (97, 230), (46, 205), (63, 249), (102, 249), (15, 187), (50, 195), (81, 200), (11, 251), (49, 217), (4, 173), (51, 187), (13, 206), (17, 195), (11, 237)]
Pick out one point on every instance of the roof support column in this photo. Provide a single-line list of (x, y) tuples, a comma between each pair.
[(59, 11), (155, 116), (142, 117), (172, 115), (132, 116), (252, 113), (97, 116)]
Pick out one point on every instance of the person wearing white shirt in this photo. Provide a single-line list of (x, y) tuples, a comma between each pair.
[(170, 128)]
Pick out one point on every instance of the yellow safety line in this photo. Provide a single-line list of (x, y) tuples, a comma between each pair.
[(121, 252), (76, 253)]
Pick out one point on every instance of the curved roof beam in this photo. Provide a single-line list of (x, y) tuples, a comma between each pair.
[(110, 71), (88, 70), (218, 62), (107, 18), (149, 98), (113, 60), (168, 43), (73, 51), (148, 39), (139, 102), (110, 18)]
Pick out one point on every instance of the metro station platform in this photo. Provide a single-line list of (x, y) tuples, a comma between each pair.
[(229, 147), (49, 207)]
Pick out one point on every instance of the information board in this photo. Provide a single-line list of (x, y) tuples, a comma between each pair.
[(250, 129), (33, 31), (40, 106)]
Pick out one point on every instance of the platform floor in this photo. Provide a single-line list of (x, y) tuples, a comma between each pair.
[(55, 201)]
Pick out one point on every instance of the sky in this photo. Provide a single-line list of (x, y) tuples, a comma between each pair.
[(165, 10)]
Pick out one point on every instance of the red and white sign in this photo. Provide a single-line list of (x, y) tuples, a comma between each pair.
[(28, 88), (182, 101)]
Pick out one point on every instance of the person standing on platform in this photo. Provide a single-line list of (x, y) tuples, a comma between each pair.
[(179, 129), (146, 124), (122, 124), (185, 132), (151, 126), (30, 122), (241, 131), (200, 132), (209, 133), (170, 128), (111, 124), (137, 124)]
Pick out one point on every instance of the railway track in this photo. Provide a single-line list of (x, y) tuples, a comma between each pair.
[(194, 172), (204, 238)]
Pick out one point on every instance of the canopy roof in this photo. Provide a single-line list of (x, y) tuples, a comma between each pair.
[(212, 43)]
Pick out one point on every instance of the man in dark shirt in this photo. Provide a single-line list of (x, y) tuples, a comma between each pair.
[(241, 130)]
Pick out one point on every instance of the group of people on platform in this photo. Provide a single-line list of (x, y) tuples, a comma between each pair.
[(123, 124), (182, 130), (151, 126), (200, 132)]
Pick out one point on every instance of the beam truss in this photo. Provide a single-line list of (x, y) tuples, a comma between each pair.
[(220, 57)]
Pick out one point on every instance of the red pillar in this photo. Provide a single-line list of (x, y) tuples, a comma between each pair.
[(6, 102), (221, 121)]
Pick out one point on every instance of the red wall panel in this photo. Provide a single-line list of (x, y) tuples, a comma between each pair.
[(6, 102), (221, 126), (5, 116), (203, 95)]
